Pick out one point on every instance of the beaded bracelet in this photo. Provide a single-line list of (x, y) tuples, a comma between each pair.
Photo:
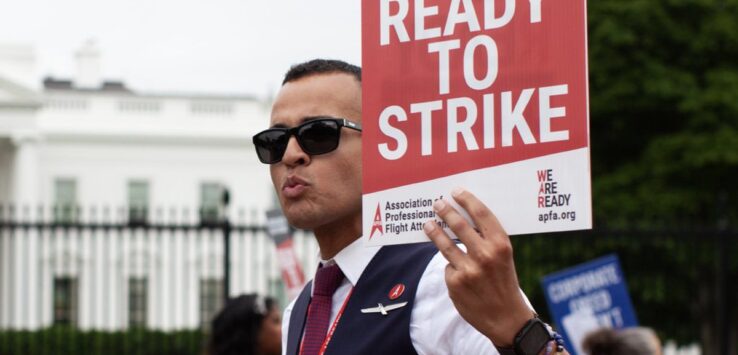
[(559, 342), (556, 345)]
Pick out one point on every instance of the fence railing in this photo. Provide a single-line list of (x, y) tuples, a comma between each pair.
[(102, 280), (103, 273)]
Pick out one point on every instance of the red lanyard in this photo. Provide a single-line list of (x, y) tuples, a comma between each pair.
[(332, 329)]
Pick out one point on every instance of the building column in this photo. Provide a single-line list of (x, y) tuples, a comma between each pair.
[(5, 282), (25, 180), (25, 189)]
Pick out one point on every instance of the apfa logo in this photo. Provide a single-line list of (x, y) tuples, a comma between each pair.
[(396, 292), (377, 225)]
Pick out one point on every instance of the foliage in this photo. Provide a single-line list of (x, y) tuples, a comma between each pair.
[(664, 110), (71, 341), (666, 271), (664, 134)]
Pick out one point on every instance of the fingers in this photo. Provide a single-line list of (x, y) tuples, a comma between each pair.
[(483, 218), (445, 245), (458, 224), (489, 229)]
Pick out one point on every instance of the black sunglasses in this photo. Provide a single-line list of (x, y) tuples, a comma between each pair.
[(318, 136)]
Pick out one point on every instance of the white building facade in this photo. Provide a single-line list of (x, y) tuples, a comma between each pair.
[(78, 155)]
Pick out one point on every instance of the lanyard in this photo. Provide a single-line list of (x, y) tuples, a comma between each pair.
[(332, 329)]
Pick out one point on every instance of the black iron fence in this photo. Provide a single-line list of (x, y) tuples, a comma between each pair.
[(96, 281), (99, 283)]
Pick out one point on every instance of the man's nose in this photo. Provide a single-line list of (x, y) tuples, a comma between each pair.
[(293, 154)]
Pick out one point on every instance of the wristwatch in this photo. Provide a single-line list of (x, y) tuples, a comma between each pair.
[(530, 340)]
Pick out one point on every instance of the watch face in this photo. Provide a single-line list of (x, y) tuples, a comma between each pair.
[(533, 341)]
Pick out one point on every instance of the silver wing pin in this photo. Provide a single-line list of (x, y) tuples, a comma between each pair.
[(380, 308)]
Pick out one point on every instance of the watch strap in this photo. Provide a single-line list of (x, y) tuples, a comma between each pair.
[(520, 337), (506, 351)]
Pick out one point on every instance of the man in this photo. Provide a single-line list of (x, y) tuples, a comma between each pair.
[(396, 299)]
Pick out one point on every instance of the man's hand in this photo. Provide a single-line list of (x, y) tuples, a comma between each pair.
[(482, 282)]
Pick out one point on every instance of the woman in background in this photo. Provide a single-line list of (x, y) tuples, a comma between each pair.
[(247, 325)]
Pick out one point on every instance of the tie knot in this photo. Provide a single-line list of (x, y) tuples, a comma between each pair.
[(327, 280)]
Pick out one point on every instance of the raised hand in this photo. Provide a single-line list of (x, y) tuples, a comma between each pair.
[(482, 282)]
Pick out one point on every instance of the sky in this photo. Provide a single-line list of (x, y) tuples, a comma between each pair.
[(191, 46)]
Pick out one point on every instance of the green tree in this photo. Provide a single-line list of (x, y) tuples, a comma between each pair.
[(664, 132), (664, 119), (664, 110)]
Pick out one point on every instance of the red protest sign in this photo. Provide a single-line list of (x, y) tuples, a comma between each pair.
[(456, 93), (289, 265)]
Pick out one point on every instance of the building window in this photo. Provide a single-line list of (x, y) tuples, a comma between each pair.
[(138, 202), (139, 106), (211, 108), (211, 300), (67, 104), (211, 202), (137, 295), (65, 201), (65, 301)]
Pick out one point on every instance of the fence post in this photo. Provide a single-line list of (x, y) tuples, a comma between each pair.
[(226, 259), (225, 200), (722, 326)]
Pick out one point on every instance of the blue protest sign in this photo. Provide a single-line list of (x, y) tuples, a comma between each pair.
[(589, 296)]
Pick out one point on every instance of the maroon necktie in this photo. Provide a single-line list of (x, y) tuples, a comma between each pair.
[(326, 281)]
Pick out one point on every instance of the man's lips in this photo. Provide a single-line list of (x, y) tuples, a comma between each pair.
[(293, 187)]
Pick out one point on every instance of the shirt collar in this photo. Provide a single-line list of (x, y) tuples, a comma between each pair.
[(353, 259)]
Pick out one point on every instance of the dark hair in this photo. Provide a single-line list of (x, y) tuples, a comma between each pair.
[(321, 66), (628, 341), (235, 329)]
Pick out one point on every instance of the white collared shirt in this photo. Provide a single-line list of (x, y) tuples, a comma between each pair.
[(435, 325)]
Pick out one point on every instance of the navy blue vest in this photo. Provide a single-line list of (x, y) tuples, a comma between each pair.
[(372, 333)]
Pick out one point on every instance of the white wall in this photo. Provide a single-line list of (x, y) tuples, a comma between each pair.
[(102, 142), (174, 172), (102, 114), (14, 119)]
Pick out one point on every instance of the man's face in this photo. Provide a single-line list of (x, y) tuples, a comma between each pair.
[(320, 190)]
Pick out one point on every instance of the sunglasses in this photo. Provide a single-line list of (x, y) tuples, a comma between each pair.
[(318, 136)]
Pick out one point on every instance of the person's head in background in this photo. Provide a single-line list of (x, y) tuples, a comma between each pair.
[(628, 341), (248, 324)]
